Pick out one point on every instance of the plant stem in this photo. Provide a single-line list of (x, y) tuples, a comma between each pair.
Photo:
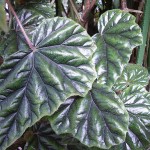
[(124, 4), (141, 6), (75, 11), (125, 8), (132, 10), (145, 28), (60, 11), (148, 51), (88, 7), (20, 25)]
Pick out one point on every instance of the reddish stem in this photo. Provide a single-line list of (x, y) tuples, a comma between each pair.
[(124, 4), (20, 25), (88, 7), (125, 8)]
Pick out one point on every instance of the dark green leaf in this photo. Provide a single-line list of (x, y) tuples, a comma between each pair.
[(118, 35), (132, 74), (137, 103), (32, 14), (43, 138), (35, 83), (74, 144), (80, 146), (100, 119), (1, 45), (3, 23)]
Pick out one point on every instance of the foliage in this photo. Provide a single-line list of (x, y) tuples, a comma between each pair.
[(137, 103), (3, 24), (71, 91), (43, 137), (89, 119), (36, 83)]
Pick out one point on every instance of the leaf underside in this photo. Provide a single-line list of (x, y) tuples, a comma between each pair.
[(118, 35), (35, 83)]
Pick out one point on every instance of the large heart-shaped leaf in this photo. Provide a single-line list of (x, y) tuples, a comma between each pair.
[(132, 74), (99, 119), (35, 83), (3, 23), (118, 35), (137, 103), (43, 138)]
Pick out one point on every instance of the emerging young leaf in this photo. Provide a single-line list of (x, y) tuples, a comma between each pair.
[(137, 103), (99, 119), (132, 74), (118, 35), (35, 83), (43, 138), (3, 23)]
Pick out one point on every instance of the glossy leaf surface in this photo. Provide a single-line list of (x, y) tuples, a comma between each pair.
[(118, 35), (44, 138), (132, 74), (3, 23), (32, 14), (137, 103), (35, 83), (93, 119)]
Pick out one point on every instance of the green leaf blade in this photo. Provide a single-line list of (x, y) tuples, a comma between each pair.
[(35, 83), (118, 35), (43, 138), (137, 103), (32, 14), (93, 119), (132, 74)]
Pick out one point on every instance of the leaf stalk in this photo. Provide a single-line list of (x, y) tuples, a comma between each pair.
[(20, 25)]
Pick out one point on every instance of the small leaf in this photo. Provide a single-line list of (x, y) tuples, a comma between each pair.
[(100, 119), (137, 103), (118, 35), (43, 138), (35, 83), (133, 74), (3, 23)]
